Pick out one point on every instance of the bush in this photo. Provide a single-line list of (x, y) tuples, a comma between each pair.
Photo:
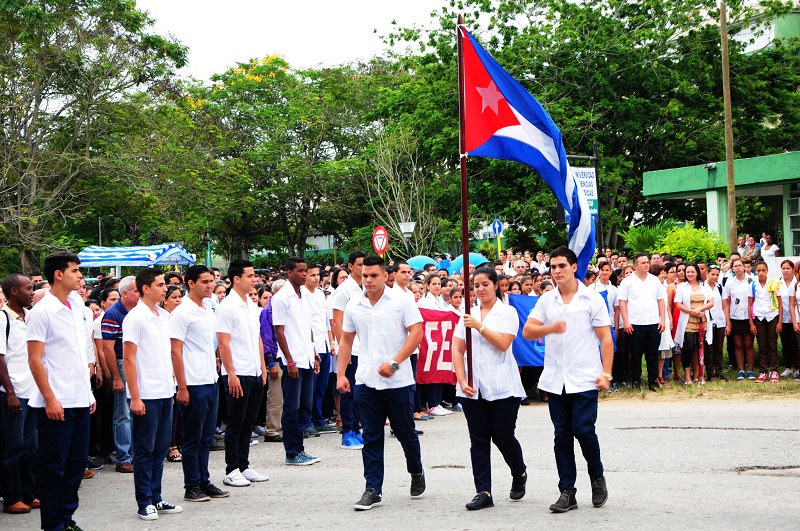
[(695, 245), (647, 239)]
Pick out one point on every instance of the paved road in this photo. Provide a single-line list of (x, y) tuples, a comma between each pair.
[(662, 472)]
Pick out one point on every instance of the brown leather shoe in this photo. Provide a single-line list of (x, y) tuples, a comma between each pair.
[(17, 508), (35, 504), (125, 468), (88, 474)]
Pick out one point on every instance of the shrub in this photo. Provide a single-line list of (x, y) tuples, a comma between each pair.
[(693, 244), (647, 239)]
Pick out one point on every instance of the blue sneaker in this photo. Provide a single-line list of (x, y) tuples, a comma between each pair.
[(741, 375), (259, 431), (751, 375), (359, 437), (301, 459), (349, 441)]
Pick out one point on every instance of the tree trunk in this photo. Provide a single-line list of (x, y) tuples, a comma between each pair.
[(30, 260)]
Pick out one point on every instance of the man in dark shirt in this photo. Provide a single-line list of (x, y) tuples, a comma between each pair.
[(112, 350)]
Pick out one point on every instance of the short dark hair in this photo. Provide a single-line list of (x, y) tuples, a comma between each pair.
[(428, 266), (105, 293), (398, 263), (237, 267), (292, 262), (601, 265), (145, 277), (375, 260), (58, 261), (722, 255), (564, 252), (637, 256), (12, 281), (173, 274), (355, 255), (193, 273)]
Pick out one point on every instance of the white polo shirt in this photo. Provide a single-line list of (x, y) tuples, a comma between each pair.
[(737, 292), (642, 297), (383, 330), (572, 360), (15, 351), (761, 301), (150, 333), (345, 292), (786, 293), (290, 311), (239, 318), (195, 326), (495, 374), (63, 330), (315, 304), (431, 302)]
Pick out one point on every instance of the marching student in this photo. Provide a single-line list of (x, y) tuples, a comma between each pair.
[(384, 380), (491, 403), (244, 372), (148, 367), (58, 349), (315, 299), (579, 354), (191, 332)]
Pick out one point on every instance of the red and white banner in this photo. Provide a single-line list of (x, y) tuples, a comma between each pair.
[(435, 361)]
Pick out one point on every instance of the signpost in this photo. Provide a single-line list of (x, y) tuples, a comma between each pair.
[(497, 229), (380, 240)]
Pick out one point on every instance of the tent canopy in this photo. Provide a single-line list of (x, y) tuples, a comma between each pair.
[(151, 255)]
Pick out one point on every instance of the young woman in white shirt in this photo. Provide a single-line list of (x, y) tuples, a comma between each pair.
[(491, 403), (693, 299), (432, 300), (735, 295), (713, 359), (788, 337), (765, 323)]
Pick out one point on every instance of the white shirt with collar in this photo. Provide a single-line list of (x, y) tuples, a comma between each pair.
[(290, 311), (432, 302), (495, 374), (383, 329), (240, 319), (15, 351), (716, 313), (405, 291), (315, 304), (150, 333), (738, 293), (195, 326), (572, 360), (642, 297), (761, 301), (786, 293), (345, 292), (63, 330)]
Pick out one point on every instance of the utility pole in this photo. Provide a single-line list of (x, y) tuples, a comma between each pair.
[(726, 96)]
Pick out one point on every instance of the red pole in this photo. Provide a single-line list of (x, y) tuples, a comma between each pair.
[(464, 210)]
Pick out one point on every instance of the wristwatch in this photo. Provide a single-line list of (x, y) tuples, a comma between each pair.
[(394, 366), (608, 376)]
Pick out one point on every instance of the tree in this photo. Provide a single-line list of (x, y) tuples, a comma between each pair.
[(64, 65)]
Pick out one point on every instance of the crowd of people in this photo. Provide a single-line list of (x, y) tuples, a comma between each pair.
[(161, 367)]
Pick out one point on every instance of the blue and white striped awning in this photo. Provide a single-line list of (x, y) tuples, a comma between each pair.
[(150, 255)]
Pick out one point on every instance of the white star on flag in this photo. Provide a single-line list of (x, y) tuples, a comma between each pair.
[(490, 96)]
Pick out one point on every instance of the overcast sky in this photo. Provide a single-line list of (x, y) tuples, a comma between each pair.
[(306, 32)]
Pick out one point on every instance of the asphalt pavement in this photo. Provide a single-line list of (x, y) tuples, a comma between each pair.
[(691, 464)]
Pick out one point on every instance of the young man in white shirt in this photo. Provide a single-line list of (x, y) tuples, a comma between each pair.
[(642, 303), (148, 370), (192, 327), (299, 362), (574, 319), (244, 372), (389, 326), (18, 426), (58, 348), (347, 290), (315, 300)]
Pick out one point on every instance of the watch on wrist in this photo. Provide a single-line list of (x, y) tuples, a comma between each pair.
[(481, 329), (394, 366), (608, 376)]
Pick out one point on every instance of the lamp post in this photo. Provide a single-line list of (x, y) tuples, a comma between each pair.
[(407, 228)]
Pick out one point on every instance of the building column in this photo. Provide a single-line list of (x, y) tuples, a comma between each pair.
[(717, 212), (786, 243)]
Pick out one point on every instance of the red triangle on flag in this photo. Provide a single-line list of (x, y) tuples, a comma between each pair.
[(486, 109)]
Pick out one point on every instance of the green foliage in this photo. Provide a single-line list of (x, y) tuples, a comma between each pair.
[(647, 238), (490, 247), (694, 244)]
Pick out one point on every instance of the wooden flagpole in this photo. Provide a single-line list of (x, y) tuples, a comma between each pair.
[(462, 148)]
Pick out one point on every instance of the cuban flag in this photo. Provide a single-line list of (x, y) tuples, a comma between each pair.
[(503, 121)]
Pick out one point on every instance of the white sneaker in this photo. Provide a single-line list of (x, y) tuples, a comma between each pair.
[(252, 475), (439, 411), (236, 479), (787, 373)]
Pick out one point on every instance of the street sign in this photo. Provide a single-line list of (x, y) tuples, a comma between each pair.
[(497, 227), (380, 240)]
